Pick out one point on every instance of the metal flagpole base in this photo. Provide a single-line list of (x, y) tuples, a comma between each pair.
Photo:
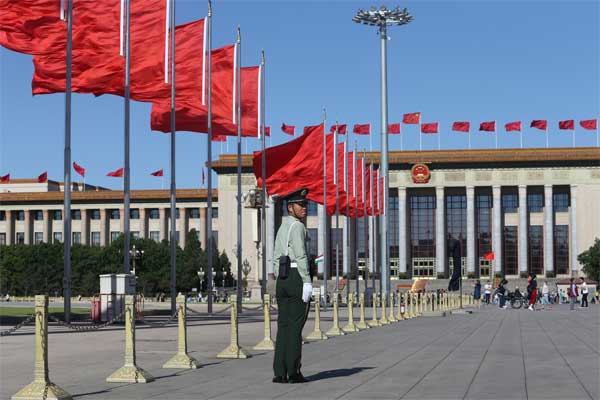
[(350, 328), (182, 361), (233, 351), (335, 331), (362, 325), (265, 344), (316, 335), (41, 390), (130, 374)]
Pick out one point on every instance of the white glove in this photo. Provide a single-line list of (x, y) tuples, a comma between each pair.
[(306, 292)]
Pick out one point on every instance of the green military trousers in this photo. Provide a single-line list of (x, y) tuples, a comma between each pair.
[(291, 318)]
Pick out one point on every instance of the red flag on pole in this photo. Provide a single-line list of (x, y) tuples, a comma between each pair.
[(219, 138), (267, 131), (567, 124), (489, 256), (412, 118), (43, 177), (79, 169), (394, 129), (540, 124), (157, 173), (489, 126), (288, 129), (116, 173), (513, 126), (362, 129), (589, 124), (341, 129), (431, 127), (461, 126), (5, 178)]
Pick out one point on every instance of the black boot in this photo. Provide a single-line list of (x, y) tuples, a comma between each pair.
[(299, 378), (280, 379)]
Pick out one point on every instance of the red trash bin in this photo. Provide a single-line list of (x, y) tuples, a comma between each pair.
[(95, 310)]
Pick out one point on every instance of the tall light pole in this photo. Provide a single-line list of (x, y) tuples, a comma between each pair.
[(382, 18)]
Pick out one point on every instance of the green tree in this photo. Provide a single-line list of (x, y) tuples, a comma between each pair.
[(191, 263), (590, 259)]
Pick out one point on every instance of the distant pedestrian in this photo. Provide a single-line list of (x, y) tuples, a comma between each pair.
[(573, 292), (488, 292), (584, 294), (477, 292), (502, 294), (531, 291), (545, 294)]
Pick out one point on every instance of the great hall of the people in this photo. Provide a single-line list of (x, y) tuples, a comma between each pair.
[(535, 209)]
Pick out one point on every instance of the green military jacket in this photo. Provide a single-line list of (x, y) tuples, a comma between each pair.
[(297, 246)]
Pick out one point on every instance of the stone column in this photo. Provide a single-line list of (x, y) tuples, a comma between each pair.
[(523, 228), (85, 227), (103, 227), (471, 253), (162, 212), (10, 228), (573, 229), (497, 227), (46, 226), (548, 229), (143, 224), (440, 236), (183, 226), (402, 229), (27, 224), (270, 231)]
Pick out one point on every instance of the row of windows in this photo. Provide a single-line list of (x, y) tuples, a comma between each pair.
[(134, 213), (535, 202)]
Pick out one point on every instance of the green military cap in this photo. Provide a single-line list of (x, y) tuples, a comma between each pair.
[(298, 196)]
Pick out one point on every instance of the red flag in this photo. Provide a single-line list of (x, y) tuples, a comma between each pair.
[(513, 126), (341, 129), (412, 118), (368, 179), (288, 129), (431, 127), (43, 177), (362, 129), (394, 128), (79, 169), (567, 124), (540, 124), (267, 131), (5, 178), (489, 256), (219, 138), (589, 124), (116, 174), (157, 173), (202, 176), (489, 126), (461, 126)]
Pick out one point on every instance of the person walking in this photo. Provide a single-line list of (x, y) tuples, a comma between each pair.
[(531, 291), (573, 292), (293, 289), (545, 294), (488, 292), (477, 292), (502, 294), (584, 294)]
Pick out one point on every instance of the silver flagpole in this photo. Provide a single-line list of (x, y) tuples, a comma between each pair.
[(365, 218), (238, 112), (337, 214), (372, 228), (127, 135), (496, 133), (324, 233), (355, 194), (208, 90), (263, 214), (173, 235), (67, 170), (347, 220)]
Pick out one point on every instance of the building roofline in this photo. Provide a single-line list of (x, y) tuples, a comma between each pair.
[(106, 195)]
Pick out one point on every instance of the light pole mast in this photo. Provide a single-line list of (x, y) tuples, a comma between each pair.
[(382, 18)]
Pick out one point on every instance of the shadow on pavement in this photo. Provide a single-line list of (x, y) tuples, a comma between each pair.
[(336, 373)]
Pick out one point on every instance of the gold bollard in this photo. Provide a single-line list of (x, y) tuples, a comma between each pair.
[(317, 334), (374, 322), (335, 329), (234, 350), (351, 326), (182, 360), (392, 317), (41, 387), (267, 343), (362, 324), (408, 314), (384, 319), (418, 304), (401, 308), (130, 372)]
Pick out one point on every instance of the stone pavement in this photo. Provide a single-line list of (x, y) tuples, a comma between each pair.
[(491, 354)]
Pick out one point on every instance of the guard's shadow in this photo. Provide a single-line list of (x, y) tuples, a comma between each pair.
[(336, 373)]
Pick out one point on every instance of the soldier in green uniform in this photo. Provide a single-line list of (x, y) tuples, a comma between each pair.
[(293, 292)]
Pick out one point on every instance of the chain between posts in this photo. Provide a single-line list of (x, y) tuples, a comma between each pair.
[(164, 323), (19, 325), (84, 328), (259, 307)]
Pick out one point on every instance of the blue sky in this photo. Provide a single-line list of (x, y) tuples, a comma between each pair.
[(457, 61)]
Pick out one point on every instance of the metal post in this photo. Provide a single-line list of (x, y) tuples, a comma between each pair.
[(337, 214), (263, 213), (67, 171), (208, 90), (127, 172), (384, 262), (238, 112), (325, 230), (173, 236)]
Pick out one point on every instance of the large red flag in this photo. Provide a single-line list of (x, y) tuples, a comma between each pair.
[(341, 129), (267, 131), (540, 124), (567, 124), (513, 126), (376, 194), (219, 138), (489, 256), (43, 177), (589, 124), (360, 177), (489, 126), (342, 194), (368, 175), (412, 118), (461, 126), (431, 127), (79, 169), (118, 173), (5, 178), (288, 129), (394, 128), (362, 129), (157, 173)]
